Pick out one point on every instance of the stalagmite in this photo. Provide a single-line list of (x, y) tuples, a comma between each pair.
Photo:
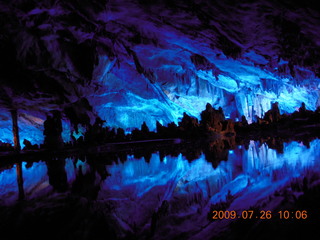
[(15, 130)]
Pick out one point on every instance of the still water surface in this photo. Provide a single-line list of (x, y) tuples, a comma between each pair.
[(136, 187)]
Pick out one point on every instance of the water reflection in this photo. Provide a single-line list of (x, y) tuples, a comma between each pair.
[(20, 181), (92, 176), (144, 186), (57, 174)]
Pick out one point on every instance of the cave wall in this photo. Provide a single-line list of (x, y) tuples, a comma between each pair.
[(131, 61)]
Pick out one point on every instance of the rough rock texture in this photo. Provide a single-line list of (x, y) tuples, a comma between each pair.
[(132, 61)]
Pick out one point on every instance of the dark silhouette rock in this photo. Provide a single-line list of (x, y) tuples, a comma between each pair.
[(273, 115), (145, 132), (29, 146), (160, 129), (189, 126), (5, 147), (121, 136), (53, 130), (211, 119), (244, 121)]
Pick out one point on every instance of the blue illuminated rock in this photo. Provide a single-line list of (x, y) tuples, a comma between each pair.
[(130, 62)]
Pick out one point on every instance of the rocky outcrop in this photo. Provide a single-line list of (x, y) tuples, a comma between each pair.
[(241, 56)]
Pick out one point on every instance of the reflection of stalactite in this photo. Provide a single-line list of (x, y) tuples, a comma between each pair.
[(276, 144), (87, 184), (57, 174), (162, 211), (218, 150), (20, 180)]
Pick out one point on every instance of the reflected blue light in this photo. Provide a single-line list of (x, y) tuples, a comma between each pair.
[(81, 131), (83, 166), (35, 178), (8, 186), (66, 131), (70, 170), (252, 175)]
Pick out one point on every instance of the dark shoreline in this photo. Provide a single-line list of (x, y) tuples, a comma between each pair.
[(104, 148)]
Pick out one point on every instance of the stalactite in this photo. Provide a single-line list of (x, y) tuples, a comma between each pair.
[(15, 130)]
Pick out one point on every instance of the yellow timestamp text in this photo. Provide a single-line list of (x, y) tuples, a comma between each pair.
[(262, 214)]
